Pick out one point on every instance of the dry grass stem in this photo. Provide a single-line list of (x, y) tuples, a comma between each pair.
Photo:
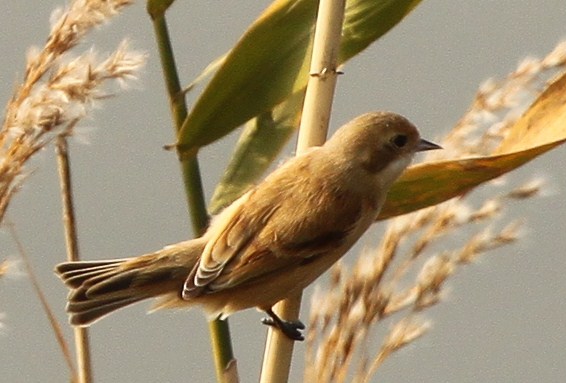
[(82, 342), (57, 331), (406, 274), (58, 90)]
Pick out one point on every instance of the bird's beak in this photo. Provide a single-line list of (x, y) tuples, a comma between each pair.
[(427, 145)]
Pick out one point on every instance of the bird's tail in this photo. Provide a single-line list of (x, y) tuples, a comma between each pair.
[(101, 287)]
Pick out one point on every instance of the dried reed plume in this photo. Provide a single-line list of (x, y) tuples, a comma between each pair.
[(3, 268), (58, 90), (385, 284)]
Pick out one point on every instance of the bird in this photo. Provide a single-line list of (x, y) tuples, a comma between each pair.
[(270, 243)]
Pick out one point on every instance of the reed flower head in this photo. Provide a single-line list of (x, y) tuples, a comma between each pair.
[(59, 89), (394, 284)]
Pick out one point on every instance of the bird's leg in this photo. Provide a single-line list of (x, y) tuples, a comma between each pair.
[(291, 329)]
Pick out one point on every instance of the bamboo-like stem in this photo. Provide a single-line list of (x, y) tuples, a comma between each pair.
[(224, 361), (312, 132), (82, 344)]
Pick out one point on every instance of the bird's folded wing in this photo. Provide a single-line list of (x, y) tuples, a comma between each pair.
[(272, 228)]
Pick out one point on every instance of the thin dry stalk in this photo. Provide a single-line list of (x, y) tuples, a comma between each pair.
[(82, 344), (386, 285), (55, 326)]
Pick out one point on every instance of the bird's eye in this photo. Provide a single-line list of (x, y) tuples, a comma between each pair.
[(399, 140)]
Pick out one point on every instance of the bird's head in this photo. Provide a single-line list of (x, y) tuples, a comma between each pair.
[(379, 143)]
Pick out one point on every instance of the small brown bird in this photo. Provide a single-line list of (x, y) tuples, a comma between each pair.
[(273, 241)]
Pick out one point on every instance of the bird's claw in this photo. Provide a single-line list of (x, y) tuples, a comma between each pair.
[(291, 329)]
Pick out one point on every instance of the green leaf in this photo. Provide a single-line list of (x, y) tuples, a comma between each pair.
[(258, 73), (367, 20), (262, 140), (271, 62)]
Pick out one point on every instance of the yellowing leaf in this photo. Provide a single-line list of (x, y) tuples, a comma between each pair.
[(541, 128), (432, 183), (544, 122)]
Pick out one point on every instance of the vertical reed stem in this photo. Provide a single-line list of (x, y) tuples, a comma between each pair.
[(312, 132)]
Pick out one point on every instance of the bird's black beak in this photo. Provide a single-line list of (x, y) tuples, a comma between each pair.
[(427, 145)]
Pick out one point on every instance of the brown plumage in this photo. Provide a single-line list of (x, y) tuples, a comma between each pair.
[(271, 242)]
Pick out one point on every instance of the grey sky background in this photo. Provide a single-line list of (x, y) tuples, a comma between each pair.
[(504, 319)]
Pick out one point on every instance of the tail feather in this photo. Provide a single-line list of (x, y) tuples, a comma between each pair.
[(74, 274), (112, 281), (101, 287), (86, 313)]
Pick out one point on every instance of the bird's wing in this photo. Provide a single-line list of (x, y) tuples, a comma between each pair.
[(283, 222)]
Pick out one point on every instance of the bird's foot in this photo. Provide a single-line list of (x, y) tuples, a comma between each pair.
[(291, 329)]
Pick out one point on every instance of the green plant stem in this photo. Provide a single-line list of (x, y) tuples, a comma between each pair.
[(219, 330)]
